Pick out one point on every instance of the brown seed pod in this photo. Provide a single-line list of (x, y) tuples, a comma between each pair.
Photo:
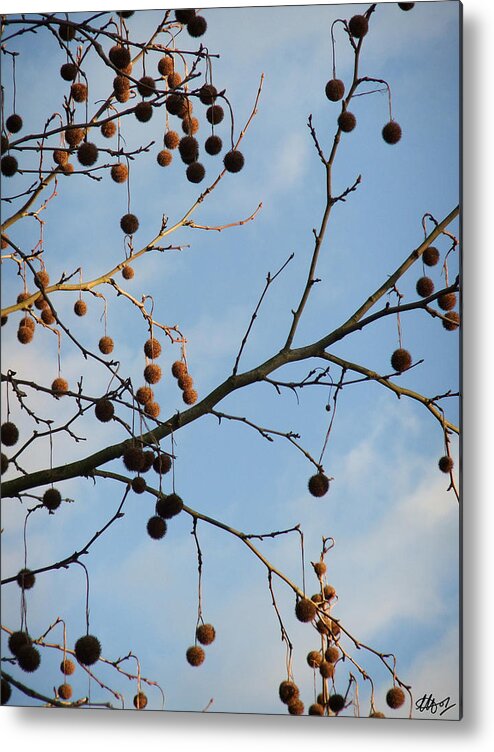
[(190, 125), (165, 65), (179, 369), (68, 71), (447, 301), (40, 303), (195, 172), (152, 348), (208, 93), (176, 105), (104, 410), (67, 667), (87, 154), (121, 84), (336, 703), (28, 658), (9, 433), (27, 322), (152, 373), (329, 592), (18, 640), (52, 499), (185, 381), (119, 56), (335, 89), (108, 129), (65, 691), (148, 456), (162, 464), (79, 92), (22, 297), (25, 579), (169, 506), (318, 484), (184, 15), (332, 654), (8, 166), (174, 80), (326, 669), (359, 26), (144, 394), (60, 156), (395, 697), (320, 568), (322, 627), (140, 701), (25, 335), (405, 6), (391, 132), (59, 386), (80, 308), (347, 121), (376, 714), (129, 224), (156, 528), (213, 145), (430, 256), (146, 86), (143, 112), (133, 458), (164, 158), (205, 634), (47, 316), (119, 172), (451, 321), (73, 136), (128, 271), (189, 396), (401, 360), (195, 655), (171, 139), (314, 658), (5, 463), (233, 161), (152, 409), (296, 707), (88, 650), (67, 32), (446, 464), (4, 320), (305, 610), (189, 149), (138, 484), (106, 345), (197, 26), (67, 169), (317, 598), (14, 123), (316, 709), (124, 96), (215, 114), (425, 287)]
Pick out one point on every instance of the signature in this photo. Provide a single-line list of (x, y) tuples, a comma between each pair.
[(428, 702)]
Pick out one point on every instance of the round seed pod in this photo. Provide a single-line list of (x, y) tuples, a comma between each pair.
[(446, 464), (26, 579), (185, 381), (322, 627), (5, 463), (108, 129), (152, 373), (190, 125), (314, 658), (326, 669), (25, 335), (65, 691), (14, 123), (179, 369), (195, 655), (67, 667), (4, 320), (87, 154), (162, 464), (208, 93), (119, 172), (47, 316), (164, 158), (59, 386), (197, 26), (332, 654), (127, 272), (140, 701), (144, 394), (391, 132), (320, 568), (316, 598), (9, 433), (67, 169), (205, 634), (169, 506), (233, 161), (119, 56), (336, 703), (8, 166), (148, 456), (67, 32), (80, 308), (359, 26), (28, 658), (104, 410), (335, 89), (138, 484), (347, 121), (166, 65), (40, 303), (334, 627), (189, 149), (88, 650), (405, 6), (106, 345), (121, 84), (125, 13), (195, 172), (124, 96), (176, 105), (184, 15), (156, 527), (144, 112), (79, 92), (6, 692), (316, 709), (447, 301), (129, 224), (174, 80), (213, 145), (318, 485), (73, 136), (401, 360), (27, 323), (395, 697), (22, 297), (425, 287), (146, 86), (296, 707), (18, 640), (171, 139), (68, 71), (60, 156), (189, 396), (305, 610), (451, 321), (152, 409), (430, 256), (133, 458), (52, 499), (329, 592), (377, 714), (215, 114)]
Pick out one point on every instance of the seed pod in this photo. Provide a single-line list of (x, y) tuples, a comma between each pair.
[(391, 132), (197, 26), (195, 655), (335, 89), (205, 634), (359, 26), (233, 161), (347, 121), (140, 701), (318, 484), (395, 697), (305, 610), (146, 86), (401, 360), (88, 650), (195, 172), (79, 92)]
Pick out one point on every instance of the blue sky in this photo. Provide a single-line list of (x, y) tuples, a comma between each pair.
[(395, 563)]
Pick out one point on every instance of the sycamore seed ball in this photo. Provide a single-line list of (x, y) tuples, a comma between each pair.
[(79, 92), (305, 610), (318, 485), (395, 697), (184, 15), (401, 360), (359, 26), (28, 658), (138, 484), (156, 527), (425, 287), (320, 568), (4, 463), (129, 224), (171, 139), (335, 89), (59, 387), (14, 123), (9, 433), (213, 145), (233, 161), (336, 703), (451, 321), (144, 394), (347, 121), (26, 579), (391, 132), (80, 308), (197, 26), (430, 256), (296, 707), (195, 655), (106, 345), (52, 499), (316, 709), (133, 458), (68, 71), (152, 409), (67, 667), (164, 158), (195, 172), (104, 410), (143, 112), (18, 640), (87, 154), (152, 373), (215, 114), (314, 658), (108, 129), (446, 464), (65, 691), (447, 301), (119, 172), (205, 634), (162, 464), (127, 272), (8, 166), (88, 650), (165, 65), (288, 691), (140, 701)]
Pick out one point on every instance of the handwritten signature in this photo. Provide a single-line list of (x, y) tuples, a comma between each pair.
[(429, 703)]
